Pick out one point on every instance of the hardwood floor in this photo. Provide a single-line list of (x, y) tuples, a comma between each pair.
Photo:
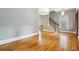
[(51, 42)]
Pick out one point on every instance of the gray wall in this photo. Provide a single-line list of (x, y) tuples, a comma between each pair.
[(18, 22), (71, 16), (55, 16)]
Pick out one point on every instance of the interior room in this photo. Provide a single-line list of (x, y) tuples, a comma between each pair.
[(39, 29)]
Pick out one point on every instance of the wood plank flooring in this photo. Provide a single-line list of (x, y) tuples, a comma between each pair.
[(51, 42)]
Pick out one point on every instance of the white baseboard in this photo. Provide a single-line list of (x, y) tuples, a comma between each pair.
[(17, 38)]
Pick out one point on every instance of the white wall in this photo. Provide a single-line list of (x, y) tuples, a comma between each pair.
[(16, 22), (44, 20)]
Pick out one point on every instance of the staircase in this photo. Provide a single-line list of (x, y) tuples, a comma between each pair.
[(53, 24)]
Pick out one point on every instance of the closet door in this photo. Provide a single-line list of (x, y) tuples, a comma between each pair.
[(78, 22)]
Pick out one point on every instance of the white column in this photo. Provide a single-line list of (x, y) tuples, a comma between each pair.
[(42, 12)]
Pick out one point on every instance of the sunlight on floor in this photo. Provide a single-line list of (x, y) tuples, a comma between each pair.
[(63, 41)]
